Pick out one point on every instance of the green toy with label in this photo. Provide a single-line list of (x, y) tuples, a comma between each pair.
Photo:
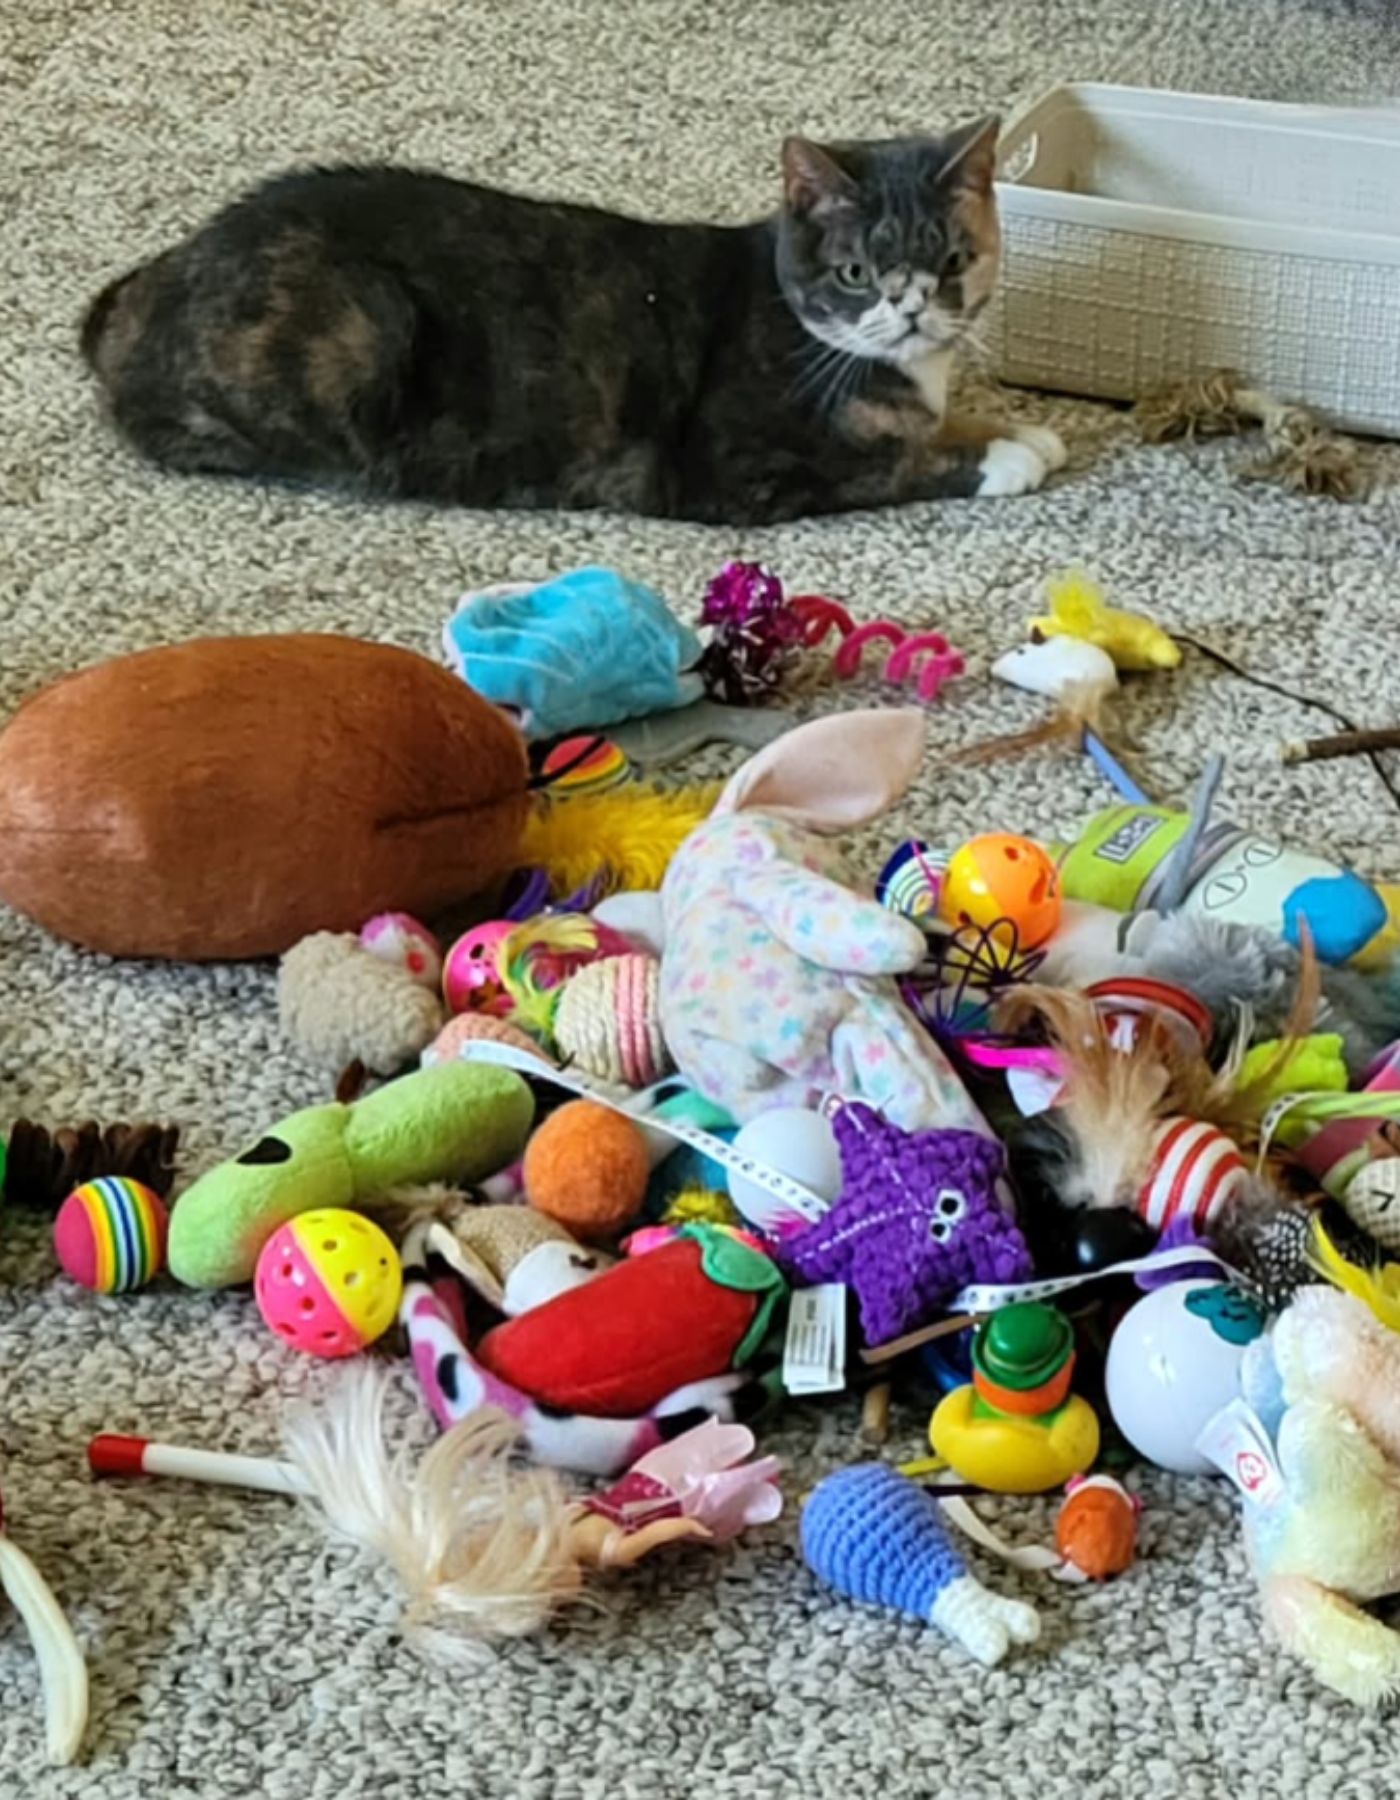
[(1123, 860)]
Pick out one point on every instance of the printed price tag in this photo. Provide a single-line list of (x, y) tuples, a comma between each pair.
[(1236, 1442), (814, 1354)]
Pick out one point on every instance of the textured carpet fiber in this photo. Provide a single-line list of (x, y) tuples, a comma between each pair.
[(231, 1654)]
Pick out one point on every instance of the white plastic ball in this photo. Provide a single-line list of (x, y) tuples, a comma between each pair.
[(1174, 1361), (798, 1144), (637, 914)]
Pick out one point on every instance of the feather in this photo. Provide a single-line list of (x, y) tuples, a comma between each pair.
[(480, 1545), (1078, 609), (61, 1666), (1233, 1101), (540, 948), (1112, 1099), (628, 836), (1226, 1096), (1377, 1288), (1079, 709)]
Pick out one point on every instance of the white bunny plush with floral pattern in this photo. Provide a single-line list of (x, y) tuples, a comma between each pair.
[(778, 980)]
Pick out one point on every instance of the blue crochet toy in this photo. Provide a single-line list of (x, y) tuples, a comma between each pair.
[(870, 1533), (586, 649)]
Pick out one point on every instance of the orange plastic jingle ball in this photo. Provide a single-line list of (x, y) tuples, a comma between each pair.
[(1000, 880), (588, 1167)]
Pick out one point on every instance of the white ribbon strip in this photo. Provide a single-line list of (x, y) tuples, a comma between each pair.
[(639, 1106), (989, 1298), (1034, 1559)]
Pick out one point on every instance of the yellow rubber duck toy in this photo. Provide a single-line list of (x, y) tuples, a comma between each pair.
[(1079, 610), (1017, 1429)]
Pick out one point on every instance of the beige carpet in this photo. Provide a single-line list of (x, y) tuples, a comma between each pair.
[(231, 1654)]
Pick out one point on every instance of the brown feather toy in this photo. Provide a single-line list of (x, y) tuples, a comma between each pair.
[(1116, 1095)]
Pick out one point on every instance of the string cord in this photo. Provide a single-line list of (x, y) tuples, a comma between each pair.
[(1224, 661)]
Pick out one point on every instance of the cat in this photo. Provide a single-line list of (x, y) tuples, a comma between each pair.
[(413, 336)]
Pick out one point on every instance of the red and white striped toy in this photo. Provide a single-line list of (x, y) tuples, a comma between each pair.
[(1126, 1000), (1195, 1170)]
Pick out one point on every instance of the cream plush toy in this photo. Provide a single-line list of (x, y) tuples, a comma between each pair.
[(339, 1003), (1322, 1494), (778, 979)]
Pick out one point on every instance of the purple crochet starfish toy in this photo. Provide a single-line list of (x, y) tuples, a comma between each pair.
[(918, 1218)]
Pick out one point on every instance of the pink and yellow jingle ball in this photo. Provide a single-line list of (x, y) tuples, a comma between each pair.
[(110, 1234), (328, 1282)]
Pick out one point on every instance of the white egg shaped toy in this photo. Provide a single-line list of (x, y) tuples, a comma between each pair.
[(1173, 1362), (796, 1143)]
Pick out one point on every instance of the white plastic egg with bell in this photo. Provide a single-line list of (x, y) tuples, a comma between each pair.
[(795, 1143), (1173, 1362)]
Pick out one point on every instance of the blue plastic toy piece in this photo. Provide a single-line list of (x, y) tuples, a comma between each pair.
[(1342, 911)]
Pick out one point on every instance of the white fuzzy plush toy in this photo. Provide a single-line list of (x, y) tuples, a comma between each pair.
[(1322, 1485)]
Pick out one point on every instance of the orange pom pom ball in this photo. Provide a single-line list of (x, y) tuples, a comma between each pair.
[(1001, 879), (587, 1166)]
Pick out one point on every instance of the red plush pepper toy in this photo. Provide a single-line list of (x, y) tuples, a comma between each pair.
[(600, 1374), (694, 1308)]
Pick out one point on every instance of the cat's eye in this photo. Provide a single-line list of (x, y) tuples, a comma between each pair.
[(852, 275), (956, 264)]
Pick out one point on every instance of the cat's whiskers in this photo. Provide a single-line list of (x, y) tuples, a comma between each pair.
[(972, 344), (831, 378)]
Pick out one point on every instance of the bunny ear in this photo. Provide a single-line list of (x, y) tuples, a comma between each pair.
[(834, 773)]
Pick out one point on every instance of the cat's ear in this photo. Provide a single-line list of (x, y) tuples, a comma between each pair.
[(813, 180), (834, 773), (970, 161)]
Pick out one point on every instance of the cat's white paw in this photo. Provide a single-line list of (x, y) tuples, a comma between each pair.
[(1048, 445), (1010, 467)]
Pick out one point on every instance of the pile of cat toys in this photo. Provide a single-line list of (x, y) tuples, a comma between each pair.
[(1080, 1155)]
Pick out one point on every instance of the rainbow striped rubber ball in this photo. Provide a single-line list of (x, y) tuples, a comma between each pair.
[(110, 1234)]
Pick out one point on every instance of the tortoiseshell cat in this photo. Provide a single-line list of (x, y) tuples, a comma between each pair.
[(411, 335)]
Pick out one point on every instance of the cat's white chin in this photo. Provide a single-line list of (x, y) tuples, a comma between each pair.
[(918, 348)]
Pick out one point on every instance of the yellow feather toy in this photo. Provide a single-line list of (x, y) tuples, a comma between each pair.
[(1079, 610), (628, 836), (531, 962), (1378, 1289)]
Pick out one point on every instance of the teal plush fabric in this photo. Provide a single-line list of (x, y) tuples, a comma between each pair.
[(586, 649)]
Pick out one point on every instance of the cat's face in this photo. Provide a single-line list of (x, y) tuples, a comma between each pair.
[(890, 250)]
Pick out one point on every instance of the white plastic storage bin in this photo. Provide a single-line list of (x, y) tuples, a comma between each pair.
[(1150, 236)]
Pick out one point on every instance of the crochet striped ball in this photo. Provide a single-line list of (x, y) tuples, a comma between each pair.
[(608, 1022)]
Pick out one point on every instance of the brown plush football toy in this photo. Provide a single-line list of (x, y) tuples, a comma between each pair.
[(223, 798)]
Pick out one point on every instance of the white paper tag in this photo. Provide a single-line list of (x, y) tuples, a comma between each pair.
[(1236, 1442), (1034, 1090), (814, 1352)]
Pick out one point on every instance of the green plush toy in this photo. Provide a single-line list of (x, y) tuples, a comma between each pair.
[(455, 1121)]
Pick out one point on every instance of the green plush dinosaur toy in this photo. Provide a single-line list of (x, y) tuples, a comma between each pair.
[(455, 1121)]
